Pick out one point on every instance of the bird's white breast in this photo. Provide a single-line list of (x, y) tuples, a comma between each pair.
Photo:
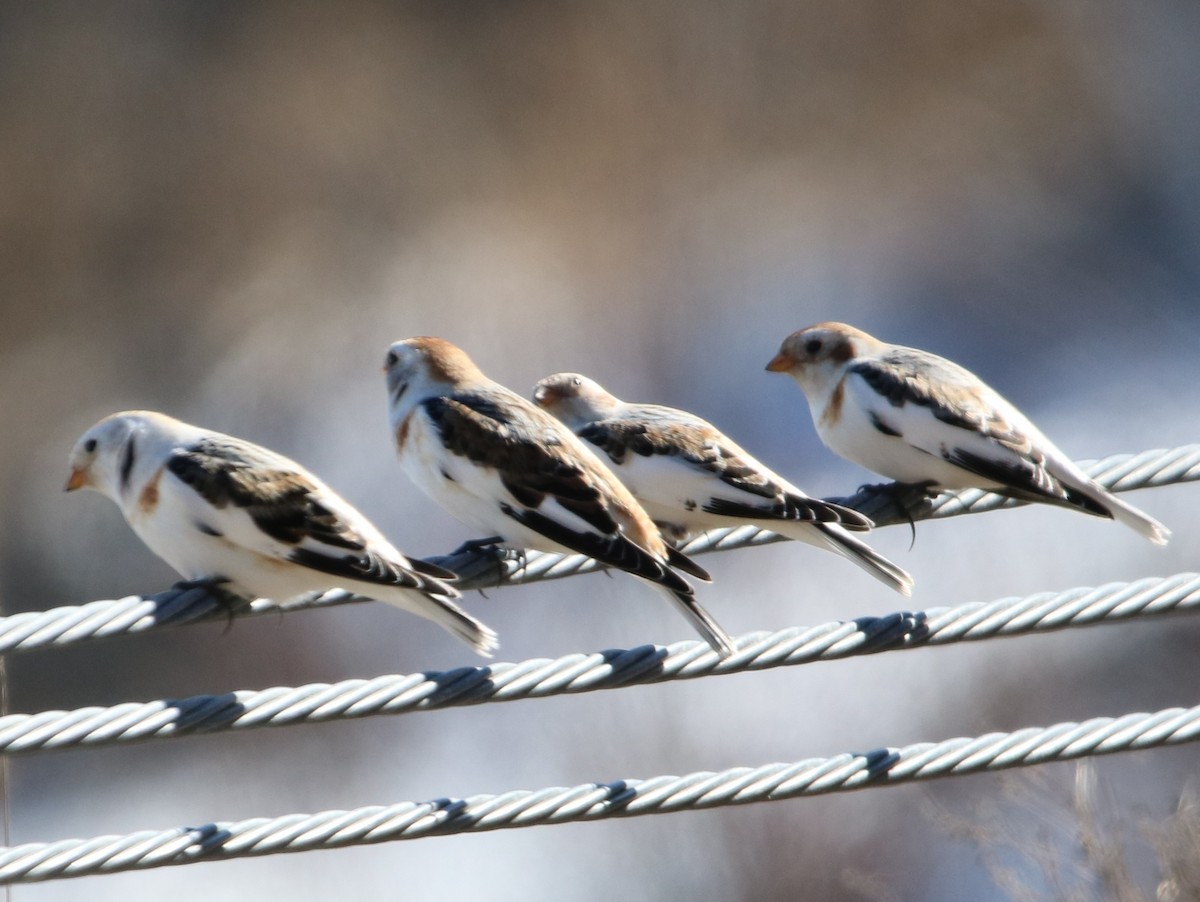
[(167, 515), (466, 491)]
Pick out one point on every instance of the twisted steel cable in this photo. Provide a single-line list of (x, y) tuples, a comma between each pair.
[(596, 801), (486, 567), (578, 673), (581, 673)]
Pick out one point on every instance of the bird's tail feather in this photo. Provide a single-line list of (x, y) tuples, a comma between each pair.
[(860, 553), (450, 617), (700, 620), (1091, 497), (680, 561), (1126, 513)]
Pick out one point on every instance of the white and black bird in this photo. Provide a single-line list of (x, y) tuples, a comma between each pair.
[(223, 510), (690, 477), (500, 464), (920, 419)]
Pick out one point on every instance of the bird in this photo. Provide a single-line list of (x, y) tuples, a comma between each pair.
[(499, 463), (920, 419), (690, 477), (225, 512)]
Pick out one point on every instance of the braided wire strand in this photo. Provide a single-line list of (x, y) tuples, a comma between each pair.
[(579, 673), (596, 801), (481, 568)]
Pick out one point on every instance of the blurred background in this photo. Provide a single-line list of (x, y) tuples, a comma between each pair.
[(226, 211)]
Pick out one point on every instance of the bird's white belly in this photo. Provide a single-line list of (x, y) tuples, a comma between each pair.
[(171, 530), (913, 456), (447, 479)]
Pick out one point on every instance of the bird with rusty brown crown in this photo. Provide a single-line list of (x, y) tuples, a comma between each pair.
[(502, 465)]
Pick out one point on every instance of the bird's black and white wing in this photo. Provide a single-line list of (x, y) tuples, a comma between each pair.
[(263, 503), (666, 454)]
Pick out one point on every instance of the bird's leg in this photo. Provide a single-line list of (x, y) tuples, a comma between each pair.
[(515, 554), (491, 549), (203, 582), (927, 488), (904, 497), (501, 554), (225, 599), (490, 542)]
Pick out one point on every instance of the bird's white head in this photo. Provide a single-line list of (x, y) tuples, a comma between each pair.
[(574, 399), (816, 357), (106, 456)]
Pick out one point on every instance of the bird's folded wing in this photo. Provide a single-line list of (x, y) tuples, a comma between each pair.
[(273, 510), (720, 475), (527, 456), (951, 394)]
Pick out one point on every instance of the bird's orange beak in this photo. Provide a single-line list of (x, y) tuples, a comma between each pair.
[(780, 363), (77, 480)]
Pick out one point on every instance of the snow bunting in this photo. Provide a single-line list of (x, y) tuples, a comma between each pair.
[(918, 418), (690, 477), (222, 510), (502, 465)]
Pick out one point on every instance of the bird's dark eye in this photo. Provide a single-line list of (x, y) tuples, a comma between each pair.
[(90, 445), (392, 358), (812, 346), (577, 381)]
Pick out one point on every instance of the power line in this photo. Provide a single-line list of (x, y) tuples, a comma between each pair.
[(584, 673), (577, 673), (596, 801)]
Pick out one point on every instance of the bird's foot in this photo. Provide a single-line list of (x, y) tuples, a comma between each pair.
[(513, 554), (904, 498), (213, 584), (488, 555), (489, 543), (508, 562), (226, 600), (899, 489), (675, 533)]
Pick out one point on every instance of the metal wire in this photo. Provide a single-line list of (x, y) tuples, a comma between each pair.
[(583, 673), (578, 673), (481, 568), (596, 801)]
